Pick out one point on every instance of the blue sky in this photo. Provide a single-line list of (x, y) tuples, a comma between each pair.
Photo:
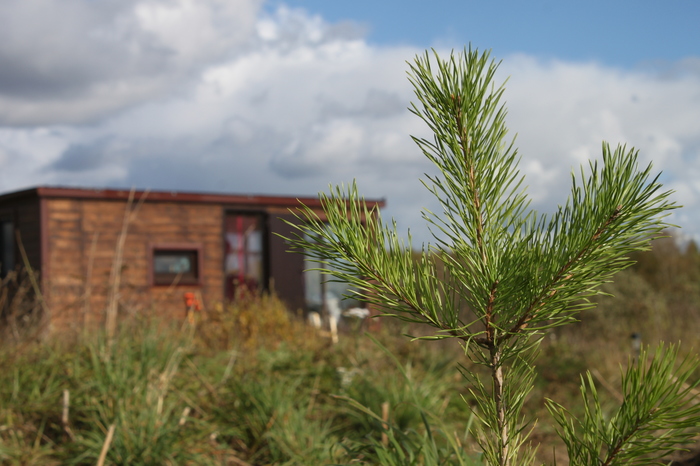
[(287, 97), (618, 33)]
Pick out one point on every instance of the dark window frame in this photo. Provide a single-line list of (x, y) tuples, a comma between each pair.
[(172, 279), (6, 268)]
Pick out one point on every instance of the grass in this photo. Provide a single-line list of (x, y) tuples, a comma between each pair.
[(276, 394), (251, 384)]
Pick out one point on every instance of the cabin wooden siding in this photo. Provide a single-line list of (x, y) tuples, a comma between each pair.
[(83, 243)]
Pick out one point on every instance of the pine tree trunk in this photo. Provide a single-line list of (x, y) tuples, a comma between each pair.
[(498, 382)]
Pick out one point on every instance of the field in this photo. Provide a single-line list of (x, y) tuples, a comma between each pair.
[(252, 384)]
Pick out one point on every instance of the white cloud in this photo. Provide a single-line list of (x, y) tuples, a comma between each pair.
[(76, 61), (562, 111), (215, 98), (24, 153)]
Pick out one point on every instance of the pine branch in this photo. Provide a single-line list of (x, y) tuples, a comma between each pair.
[(519, 272), (559, 279)]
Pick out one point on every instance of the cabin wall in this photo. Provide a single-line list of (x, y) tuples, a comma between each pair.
[(72, 239), (286, 269), (83, 241)]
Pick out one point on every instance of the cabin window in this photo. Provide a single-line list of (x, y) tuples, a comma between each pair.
[(323, 293), (176, 264), (7, 247)]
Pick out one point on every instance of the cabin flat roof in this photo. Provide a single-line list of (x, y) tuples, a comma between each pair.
[(170, 196)]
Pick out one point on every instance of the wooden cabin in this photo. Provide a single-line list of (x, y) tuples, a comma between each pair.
[(157, 245)]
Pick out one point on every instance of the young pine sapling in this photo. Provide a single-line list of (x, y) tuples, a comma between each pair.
[(499, 274)]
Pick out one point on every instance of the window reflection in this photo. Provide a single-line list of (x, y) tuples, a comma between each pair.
[(325, 295), (175, 266), (244, 253)]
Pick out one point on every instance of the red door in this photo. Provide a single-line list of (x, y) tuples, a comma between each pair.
[(244, 262)]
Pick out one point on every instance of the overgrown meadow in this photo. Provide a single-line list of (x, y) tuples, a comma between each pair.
[(252, 384)]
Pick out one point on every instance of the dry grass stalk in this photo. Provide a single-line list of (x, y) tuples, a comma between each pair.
[(314, 393), (64, 415), (9, 314), (183, 418), (105, 446), (18, 308), (115, 276), (608, 386), (88, 279), (385, 424), (229, 368), (3, 294), (30, 273), (334, 329), (30, 308), (238, 461), (209, 387)]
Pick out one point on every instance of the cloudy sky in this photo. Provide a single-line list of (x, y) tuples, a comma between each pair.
[(285, 97)]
